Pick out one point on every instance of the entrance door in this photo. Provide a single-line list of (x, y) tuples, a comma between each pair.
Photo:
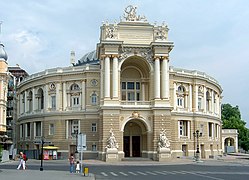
[(136, 146), (202, 152), (127, 146)]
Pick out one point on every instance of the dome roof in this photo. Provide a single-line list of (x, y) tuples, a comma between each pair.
[(88, 58), (3, 54)]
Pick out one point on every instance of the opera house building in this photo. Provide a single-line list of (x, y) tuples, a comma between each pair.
[(125, 98)]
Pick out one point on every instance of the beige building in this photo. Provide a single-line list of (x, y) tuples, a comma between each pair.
[(4, 76), (126, 99)]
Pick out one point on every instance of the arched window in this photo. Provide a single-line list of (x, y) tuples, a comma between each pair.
[(75, 95), (181, 95), (75, 87), (40, 97), (131, 91), (23, 103), (208, 101), (30, 101), (200, 98), (94, 98)]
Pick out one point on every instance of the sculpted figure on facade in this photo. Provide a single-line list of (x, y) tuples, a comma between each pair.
[(131, 14), (160, 33), (163, 140), (111, 32), (111, 141)]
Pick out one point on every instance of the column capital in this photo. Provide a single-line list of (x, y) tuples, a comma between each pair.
[(164, 57), (161, 57), (156, 57)]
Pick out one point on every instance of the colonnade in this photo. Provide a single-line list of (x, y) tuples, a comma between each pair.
[(29, 104)]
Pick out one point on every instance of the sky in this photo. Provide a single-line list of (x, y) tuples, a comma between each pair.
[(209, 36)]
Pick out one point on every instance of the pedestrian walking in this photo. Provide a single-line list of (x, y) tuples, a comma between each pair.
[(21, 161), (77, 167), (25, 160), (71, 162)]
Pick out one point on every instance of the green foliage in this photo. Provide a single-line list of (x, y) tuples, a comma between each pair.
[(231, 119)]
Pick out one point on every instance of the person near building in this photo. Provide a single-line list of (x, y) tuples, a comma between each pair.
[(71, 162), (21, 161), (77, 170)]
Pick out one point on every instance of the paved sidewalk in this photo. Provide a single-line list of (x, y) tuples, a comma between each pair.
[(12, 174)]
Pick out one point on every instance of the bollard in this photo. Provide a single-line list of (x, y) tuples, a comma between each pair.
[(86, 172)]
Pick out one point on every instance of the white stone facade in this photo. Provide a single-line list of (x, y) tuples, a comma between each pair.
[(132, 90)]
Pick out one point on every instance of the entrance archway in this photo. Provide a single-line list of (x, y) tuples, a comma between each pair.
[(229, 145), (134, 139)]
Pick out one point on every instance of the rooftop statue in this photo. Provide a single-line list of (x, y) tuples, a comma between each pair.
[(131, 14)]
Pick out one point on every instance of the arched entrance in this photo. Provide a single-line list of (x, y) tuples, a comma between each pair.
[(135, 138), (229, 145)]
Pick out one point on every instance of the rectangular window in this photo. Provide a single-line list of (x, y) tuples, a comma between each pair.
[(53, 102), (137, 85), (94, 127), (199, 103), (210, 129), (94, 147), (138, 96), (28, 130), (38, 129), (180, 102), (74, 127), (123, 85), (94, 99), (216, 130), (130, 85), (75, 101), (123, 95), (131, 96), (183, 128), (51, 129)]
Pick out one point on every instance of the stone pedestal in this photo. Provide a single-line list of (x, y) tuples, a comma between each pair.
[(112, 155), (163, 154)]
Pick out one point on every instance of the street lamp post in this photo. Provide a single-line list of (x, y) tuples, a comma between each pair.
[(197, 134), (42, 143), (76, 133)]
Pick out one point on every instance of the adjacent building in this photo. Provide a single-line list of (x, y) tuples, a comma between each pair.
[(4, 77), (125, 97)]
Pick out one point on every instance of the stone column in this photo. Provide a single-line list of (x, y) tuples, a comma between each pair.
[(107, 77), (64, 96), (66, 129), (175, 97), (157, 79), (143, 91), (33, 99), (58, 87), (196, 98), (20, 103), (165, 79), (204, 99), (46, 98), (25, 102), (115, 77), (190, 98), (69, 104), (212, 102), (83, 96), (102, 79)]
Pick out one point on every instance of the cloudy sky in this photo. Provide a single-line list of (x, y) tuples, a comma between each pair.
[(210, 36)]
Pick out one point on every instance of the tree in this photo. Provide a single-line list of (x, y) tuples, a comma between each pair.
[(231, 119)]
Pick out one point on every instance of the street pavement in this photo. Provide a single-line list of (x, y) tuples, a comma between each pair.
[(61, 173), (12, 174)]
